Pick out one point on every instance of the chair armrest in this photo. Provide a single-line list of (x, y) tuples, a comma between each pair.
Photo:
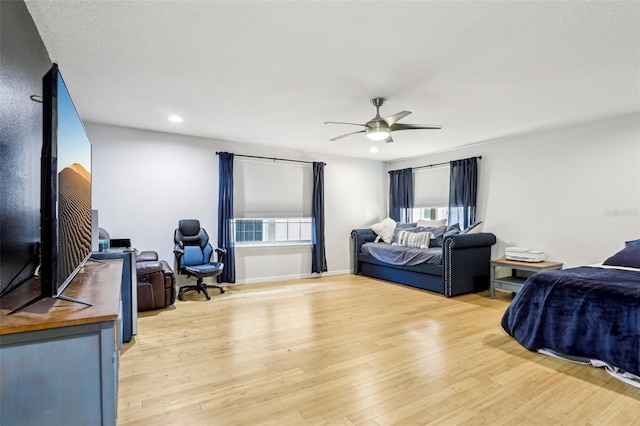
[(146, 256), (166, 269), (220, 254), (148, 267)]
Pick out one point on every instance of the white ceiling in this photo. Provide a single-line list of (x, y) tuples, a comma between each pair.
[(271, 72)]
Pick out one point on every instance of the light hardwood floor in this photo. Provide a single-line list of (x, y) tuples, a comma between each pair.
[(352, 350)]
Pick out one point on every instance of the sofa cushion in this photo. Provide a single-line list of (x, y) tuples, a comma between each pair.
[(437, 232), (401, 225), (384, 229), (432, 223), (450, 230), (473, 229), (398, 229)]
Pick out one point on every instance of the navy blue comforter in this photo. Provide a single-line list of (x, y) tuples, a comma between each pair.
[(587, 311)]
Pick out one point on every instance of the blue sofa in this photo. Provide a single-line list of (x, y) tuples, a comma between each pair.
[(464, 268)]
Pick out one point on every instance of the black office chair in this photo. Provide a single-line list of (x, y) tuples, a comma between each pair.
[(193, 256)]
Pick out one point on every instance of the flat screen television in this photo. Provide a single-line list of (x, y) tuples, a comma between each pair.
[(65, 190)]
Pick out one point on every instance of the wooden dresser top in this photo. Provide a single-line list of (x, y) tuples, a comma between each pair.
[(97, 283)]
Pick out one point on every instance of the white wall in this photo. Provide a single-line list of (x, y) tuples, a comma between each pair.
[(144, 182), (573, 192)]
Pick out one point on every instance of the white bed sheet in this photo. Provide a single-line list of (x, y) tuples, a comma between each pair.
[(614, 371), (623, 268)]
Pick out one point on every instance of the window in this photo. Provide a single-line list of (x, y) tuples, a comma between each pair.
[(271, 231), (298, 229), (250, 230), (272, 202), (264, 190), (431, 213)]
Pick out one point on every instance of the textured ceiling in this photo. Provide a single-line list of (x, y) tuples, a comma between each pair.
[(271, 72)]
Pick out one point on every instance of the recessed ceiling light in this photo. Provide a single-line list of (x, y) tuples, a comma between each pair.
[(374, 149), (175, 119)]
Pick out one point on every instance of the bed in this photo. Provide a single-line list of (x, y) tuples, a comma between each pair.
[(587, 314)]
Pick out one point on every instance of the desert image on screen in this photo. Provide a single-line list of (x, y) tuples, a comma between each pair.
[(74, 220)]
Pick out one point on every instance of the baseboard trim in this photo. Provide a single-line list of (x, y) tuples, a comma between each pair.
[(291, 277)]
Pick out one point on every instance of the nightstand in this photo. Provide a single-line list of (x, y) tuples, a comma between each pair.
[(514, 282)]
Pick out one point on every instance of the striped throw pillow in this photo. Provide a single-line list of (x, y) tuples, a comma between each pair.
[(414, 239)]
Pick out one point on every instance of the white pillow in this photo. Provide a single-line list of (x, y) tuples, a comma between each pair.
[(476, 228), (384, 229), (432, 223), (414, 239)]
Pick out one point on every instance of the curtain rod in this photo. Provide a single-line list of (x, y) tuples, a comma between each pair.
[(437, 164), (272, 158)]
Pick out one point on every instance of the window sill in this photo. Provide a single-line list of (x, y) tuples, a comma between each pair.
[(266, 245)]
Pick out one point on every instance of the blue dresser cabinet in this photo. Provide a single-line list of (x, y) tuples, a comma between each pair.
[(129, 288), (58, 359)]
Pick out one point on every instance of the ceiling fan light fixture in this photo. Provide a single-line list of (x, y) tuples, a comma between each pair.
[(377, 129), (378, 134)]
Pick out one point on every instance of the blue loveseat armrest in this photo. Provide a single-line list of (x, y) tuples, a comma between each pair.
[(471, 240), (465, 261), (359, 237)]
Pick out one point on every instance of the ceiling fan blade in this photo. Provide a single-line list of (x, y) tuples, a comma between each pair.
[(414, 126), (341, 122), (347, 134), (391, 120)]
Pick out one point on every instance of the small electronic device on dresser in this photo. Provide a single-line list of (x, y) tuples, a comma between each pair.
[(524, 254)]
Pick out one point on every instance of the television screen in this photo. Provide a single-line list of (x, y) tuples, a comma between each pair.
[(66, 188), (74, 188)]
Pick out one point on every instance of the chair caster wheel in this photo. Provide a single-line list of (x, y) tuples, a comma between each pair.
[(208, 297)]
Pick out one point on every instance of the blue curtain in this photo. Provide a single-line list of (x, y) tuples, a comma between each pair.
[(225, 218), (401, 195), (463, 188), (318, 255)]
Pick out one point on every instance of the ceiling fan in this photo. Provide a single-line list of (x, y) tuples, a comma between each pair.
[(378, 128)]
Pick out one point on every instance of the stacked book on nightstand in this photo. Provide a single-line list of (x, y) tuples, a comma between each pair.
[(523, 254)]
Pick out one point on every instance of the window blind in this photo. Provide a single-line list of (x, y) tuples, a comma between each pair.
[(431, 186), (271, 189)]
